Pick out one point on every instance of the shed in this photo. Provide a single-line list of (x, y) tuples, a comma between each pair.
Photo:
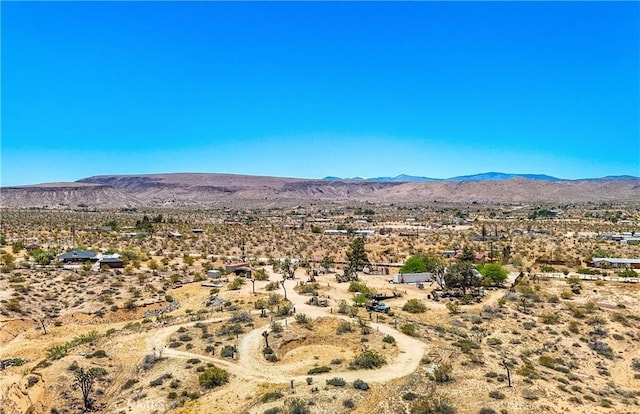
[(214, 274)]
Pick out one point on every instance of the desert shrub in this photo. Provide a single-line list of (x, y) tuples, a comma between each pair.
[(494, 341), (602, 348), (453, 307), (276, 327), (236, 283), (466, 345), (485, 410), (213, 377), (100, 353), (410, 396), (348, 403), (368, 359), (271, 396), (303, 319), (32, 380), (308, 288), (271, 286), (158, 381), (547, 361), (435, 404), (529, 394), (297, 406), (241, 317), (227, 351), (231, 330), (271, 357), (442, 373), (360, 385), (635, 364), (56, 352), (361, 287), (319, 370), (336, 382), (274, 410), (344, 327), (606, 403), (414, 306), (343, 307), (408, 329), (496, 395), (388, 339), (283, 309), (527, 370), (336, 361), (549, 318)]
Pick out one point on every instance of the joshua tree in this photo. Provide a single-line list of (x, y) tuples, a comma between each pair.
[(85, 380)]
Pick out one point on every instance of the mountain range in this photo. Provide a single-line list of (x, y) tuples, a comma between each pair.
[(489, 176), (203, 190)]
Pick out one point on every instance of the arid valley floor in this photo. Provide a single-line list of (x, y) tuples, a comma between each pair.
[(162, 336)]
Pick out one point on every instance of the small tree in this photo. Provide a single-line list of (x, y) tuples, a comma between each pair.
[(494, 272), (357, 255), (327, 263), (86, 380)]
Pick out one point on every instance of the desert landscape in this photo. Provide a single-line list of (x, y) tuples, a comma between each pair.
[(192, 294)]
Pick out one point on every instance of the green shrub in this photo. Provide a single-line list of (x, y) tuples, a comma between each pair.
[(435, 404), (494, 341), (130, 383), (344, 327), (227, 351), (336, 382), (360, 385), (368, 359), (414, 306), (319, 370), (442, 373), (213, 377), (388, 339), (496, 395), (271, 396), (409, 329)]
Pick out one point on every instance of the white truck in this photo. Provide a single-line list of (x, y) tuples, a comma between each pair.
[(412, 277)]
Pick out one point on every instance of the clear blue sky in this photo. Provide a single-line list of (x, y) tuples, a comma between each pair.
[(316, 89)]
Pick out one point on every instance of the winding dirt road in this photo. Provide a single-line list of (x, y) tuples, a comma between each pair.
[(252, 366)]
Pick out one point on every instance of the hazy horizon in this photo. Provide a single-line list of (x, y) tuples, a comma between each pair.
[(318, 89)]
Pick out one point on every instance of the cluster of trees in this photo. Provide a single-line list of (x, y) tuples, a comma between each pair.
[(461, 274), (423, 263)]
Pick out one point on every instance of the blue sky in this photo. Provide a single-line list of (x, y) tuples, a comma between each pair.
[(310, 89)]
